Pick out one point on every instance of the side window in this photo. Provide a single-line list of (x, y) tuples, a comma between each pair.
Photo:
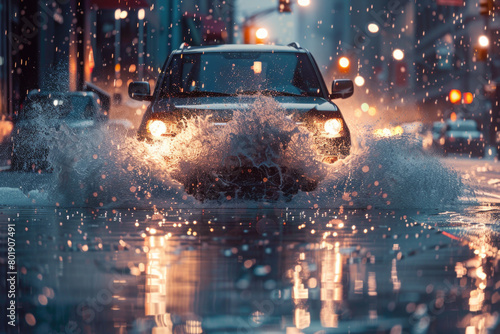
[(189, 75), (304, 76), (170, 83), (182, 75)]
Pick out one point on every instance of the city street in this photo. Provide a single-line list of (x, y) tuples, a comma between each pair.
[(259, 267), (235, 166)]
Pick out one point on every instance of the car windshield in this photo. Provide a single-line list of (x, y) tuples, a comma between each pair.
[(241, 73), (46, 106)]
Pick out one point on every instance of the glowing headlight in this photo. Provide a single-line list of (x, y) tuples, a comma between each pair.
[(157, 128), (333, 126)]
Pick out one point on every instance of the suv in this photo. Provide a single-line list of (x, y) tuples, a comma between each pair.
[(214, 81)]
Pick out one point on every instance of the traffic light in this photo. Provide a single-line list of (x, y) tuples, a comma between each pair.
[(455, 96), (285, 6), (468, 98), (485, 7)]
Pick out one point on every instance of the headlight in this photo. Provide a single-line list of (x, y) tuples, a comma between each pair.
[(333, 126), (157, 128)]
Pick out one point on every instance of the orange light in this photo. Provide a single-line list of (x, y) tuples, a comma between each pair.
[(261, 33), (455, 96), (468, 98), (453, 117), (344, 62)]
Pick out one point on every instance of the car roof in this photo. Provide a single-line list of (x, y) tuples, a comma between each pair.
[(240, 48)]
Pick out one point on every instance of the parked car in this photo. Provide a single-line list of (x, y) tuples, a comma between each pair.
[(216, 80), (437, 132), (42, 115), (462, 136)]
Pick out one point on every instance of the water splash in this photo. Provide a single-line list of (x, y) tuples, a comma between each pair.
[(389, 172), (104, 167), (260, 154)]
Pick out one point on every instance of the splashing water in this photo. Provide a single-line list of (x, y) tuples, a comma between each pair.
[(104, 167), (259, 154), (389, 172)]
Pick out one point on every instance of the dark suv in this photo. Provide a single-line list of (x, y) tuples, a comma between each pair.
[(216, 80)]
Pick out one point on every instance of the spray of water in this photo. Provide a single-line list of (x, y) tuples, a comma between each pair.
[(260, 152), (388, 172)]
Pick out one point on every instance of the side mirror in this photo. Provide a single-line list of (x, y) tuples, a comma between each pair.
[(139, 90), (342, 89)]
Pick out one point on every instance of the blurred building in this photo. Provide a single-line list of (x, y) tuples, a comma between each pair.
[(60, 44), (5, 82), (405, 53), (165, 25)]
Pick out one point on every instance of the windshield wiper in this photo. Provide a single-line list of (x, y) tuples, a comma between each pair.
[(267, 92)]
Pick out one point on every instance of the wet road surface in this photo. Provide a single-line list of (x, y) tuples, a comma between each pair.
[(258, 270)]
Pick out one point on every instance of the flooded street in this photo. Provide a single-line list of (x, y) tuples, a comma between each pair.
[(234, 166), (260, 270), (392, 240), (387, 243)]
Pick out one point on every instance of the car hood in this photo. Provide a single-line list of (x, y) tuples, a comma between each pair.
[(222, 108)]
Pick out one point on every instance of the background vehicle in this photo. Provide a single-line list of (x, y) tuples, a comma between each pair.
[(216, 80), (42, 116), (462, 136)]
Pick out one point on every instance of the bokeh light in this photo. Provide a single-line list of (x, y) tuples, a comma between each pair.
[(398, 54), (373, 28), (261, 33), (359, 81), (484, 41), (344, 62), (455, 96)]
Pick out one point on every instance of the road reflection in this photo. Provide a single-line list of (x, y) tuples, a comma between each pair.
[(300, 271)]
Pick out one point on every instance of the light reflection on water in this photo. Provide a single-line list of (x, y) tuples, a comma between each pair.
[(241, 271)]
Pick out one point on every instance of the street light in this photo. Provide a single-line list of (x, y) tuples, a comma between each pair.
[(398, 54), (359, 81), (304, 3), (373, 28), (484, 41), (141, 14), (261, 33), (344, 62)]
